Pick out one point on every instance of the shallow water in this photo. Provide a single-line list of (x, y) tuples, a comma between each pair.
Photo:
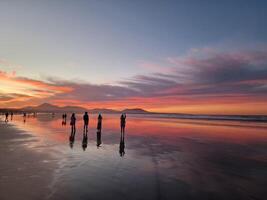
[(164, 158)]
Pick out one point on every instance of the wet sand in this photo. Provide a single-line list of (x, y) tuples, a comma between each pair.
[(25, 174), (164, 159)]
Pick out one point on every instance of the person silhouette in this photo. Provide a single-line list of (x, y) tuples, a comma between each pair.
[(11, 116), (73, 122), (63, 120), (99, 122), (122, 145), (86, 122), (6, 120), (24, 117), (123, 122)]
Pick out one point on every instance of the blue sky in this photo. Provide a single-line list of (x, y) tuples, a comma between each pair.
[(141, 46), (90, 39)]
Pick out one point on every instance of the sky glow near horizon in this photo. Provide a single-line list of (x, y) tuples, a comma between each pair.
[(166, 56)]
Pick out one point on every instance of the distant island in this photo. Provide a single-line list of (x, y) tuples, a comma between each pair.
[(50, 108)]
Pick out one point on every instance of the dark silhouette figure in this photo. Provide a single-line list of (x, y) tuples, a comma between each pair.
[(122, 145), (85, 141), (11, 116), (99, 122), (64, 120), (86, 122), (73, 123), (98, 139), (24, 117), (72, 137), (123, 122), (6, 120)]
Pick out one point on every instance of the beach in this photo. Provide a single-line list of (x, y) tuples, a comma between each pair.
[(162, 159), (25, 174)]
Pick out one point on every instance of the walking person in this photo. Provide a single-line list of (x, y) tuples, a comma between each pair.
[(11, 116), (86, 122), (73, 123)]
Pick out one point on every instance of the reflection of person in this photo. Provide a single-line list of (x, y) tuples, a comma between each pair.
[(73, 123), (99, 123), (85, 141), (6, 120), (122, 145), (98, 136), (72, 138), (123, 122), (86, 121)]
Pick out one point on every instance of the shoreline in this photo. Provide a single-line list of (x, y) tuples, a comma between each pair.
[(25, 167)]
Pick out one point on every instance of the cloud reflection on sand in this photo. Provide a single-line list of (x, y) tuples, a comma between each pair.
[(168, 158)]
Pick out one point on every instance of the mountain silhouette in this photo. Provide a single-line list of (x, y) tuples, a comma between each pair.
[(135, 111), (46, 107)]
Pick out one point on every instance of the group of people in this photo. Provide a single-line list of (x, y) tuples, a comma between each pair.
[(86, 122), (7, 114), (99, 129)]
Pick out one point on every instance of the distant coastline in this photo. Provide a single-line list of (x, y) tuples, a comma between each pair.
[(49, 108)]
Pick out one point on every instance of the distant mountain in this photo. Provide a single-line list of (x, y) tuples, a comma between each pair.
[(73, 109), (103, 110), (46, 107), (135, 111)]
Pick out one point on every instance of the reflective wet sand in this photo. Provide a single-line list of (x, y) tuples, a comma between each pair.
[(159, 159)]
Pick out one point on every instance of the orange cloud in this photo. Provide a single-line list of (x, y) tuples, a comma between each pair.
[(17, 89), (212, 83)]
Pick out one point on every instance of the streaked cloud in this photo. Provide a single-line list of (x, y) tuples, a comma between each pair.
[(206, 78)]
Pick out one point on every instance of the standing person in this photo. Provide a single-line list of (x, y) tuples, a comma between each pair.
[(72, 123), (123, 122), (24, 117), (11, 116), (6, 120), (99, 123), (63, 120), (86, 122)]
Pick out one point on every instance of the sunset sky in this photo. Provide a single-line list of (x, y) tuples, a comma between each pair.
[(206, 57)]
